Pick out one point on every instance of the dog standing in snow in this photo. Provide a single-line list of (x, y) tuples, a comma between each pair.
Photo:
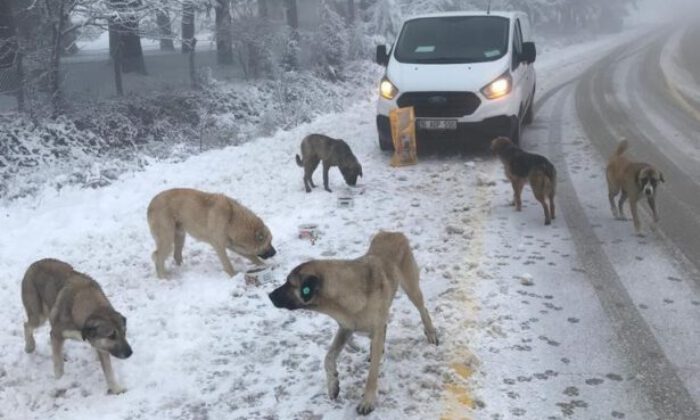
[(76, 308), (358, 295), (331, 152), (523, 167), (634, 180)]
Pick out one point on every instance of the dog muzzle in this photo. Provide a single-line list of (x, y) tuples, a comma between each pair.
[(280, 299), (269, 253), (648, 191)]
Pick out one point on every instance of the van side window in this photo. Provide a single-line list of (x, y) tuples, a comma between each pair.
[(517, 45)]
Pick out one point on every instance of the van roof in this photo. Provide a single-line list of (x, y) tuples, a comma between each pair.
[(509, 15)]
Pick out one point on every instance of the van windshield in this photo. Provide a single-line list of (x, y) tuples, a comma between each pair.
[(453, 39)]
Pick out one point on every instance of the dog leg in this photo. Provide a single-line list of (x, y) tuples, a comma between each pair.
[(179, 244), (326, 168), (163, 249), (611, 197), (225, 261), (330, 363), (309, 168), (551, 207), (57, 352), (635, 216), (32, 323), (514, 184), (416, 297), (519, 185), (106, 362), (621, 211), (377, 347), (547, 217), (652, 206)]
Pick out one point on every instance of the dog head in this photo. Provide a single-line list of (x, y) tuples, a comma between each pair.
[(351, 170), (500, 144), (648, 179), (301, 291), (253, 238), (106, 331)]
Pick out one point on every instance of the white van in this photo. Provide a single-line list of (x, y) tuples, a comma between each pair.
[(469, 76)]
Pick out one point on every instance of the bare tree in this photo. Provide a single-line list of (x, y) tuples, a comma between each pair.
[(188, 13), (165, 27), (224, 42), (291, 60)]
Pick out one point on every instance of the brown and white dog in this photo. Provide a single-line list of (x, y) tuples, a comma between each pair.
[(633, 180), (76, 308)]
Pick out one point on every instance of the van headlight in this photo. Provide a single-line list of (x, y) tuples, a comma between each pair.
[(387, 90), (499, 87)]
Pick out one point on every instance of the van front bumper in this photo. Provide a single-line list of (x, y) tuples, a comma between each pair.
[(466, 131)]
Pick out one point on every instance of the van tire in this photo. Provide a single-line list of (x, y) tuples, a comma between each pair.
[(385, 144), (529, 116), (515, 133)]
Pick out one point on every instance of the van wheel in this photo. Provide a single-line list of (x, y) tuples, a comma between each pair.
[(529, 116), (515, 133), (385, 143)]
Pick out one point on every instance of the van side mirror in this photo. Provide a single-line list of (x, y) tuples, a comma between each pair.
[(382, 56), (529, 53)]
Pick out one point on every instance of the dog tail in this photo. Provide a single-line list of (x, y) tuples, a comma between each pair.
[(621, 147), (299, 161), (550, 180)]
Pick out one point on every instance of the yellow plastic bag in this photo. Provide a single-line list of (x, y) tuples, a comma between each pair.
[(403, 135)]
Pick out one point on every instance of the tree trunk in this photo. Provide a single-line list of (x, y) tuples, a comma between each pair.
[(165, 29), (224, 45), (263, 11), (193, 70), (291, 60), (58, 17), (130, 49), (117, 62), (188, 12)]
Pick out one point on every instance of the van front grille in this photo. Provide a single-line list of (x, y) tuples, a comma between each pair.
[(440, 104)]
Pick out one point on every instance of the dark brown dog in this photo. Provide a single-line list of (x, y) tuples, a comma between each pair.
[(523, 167), (358, 295), (317, 148), (634, 180)]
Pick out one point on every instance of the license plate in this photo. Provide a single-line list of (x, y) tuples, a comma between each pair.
[(437, 124)]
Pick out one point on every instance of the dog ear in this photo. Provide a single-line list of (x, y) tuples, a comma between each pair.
[(360, 173), (88, 332), (123, 320)]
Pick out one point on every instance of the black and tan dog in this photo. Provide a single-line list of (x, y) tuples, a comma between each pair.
[(358, 295), (76, 308), (331, 152), (523, 167), (634, 180)]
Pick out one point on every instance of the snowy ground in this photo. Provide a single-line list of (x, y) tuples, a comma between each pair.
[(206, 346)]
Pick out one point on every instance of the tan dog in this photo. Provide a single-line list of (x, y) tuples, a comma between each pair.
[(523, 167), (358, 295), (634, 180), (331, 152), (215, 219), (76, 308)]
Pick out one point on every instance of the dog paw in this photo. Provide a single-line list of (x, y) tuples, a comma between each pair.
[(328, 189), (58, 373), (333, 389), (365, 407), (116, 390), (432, 337), (29, 348)]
